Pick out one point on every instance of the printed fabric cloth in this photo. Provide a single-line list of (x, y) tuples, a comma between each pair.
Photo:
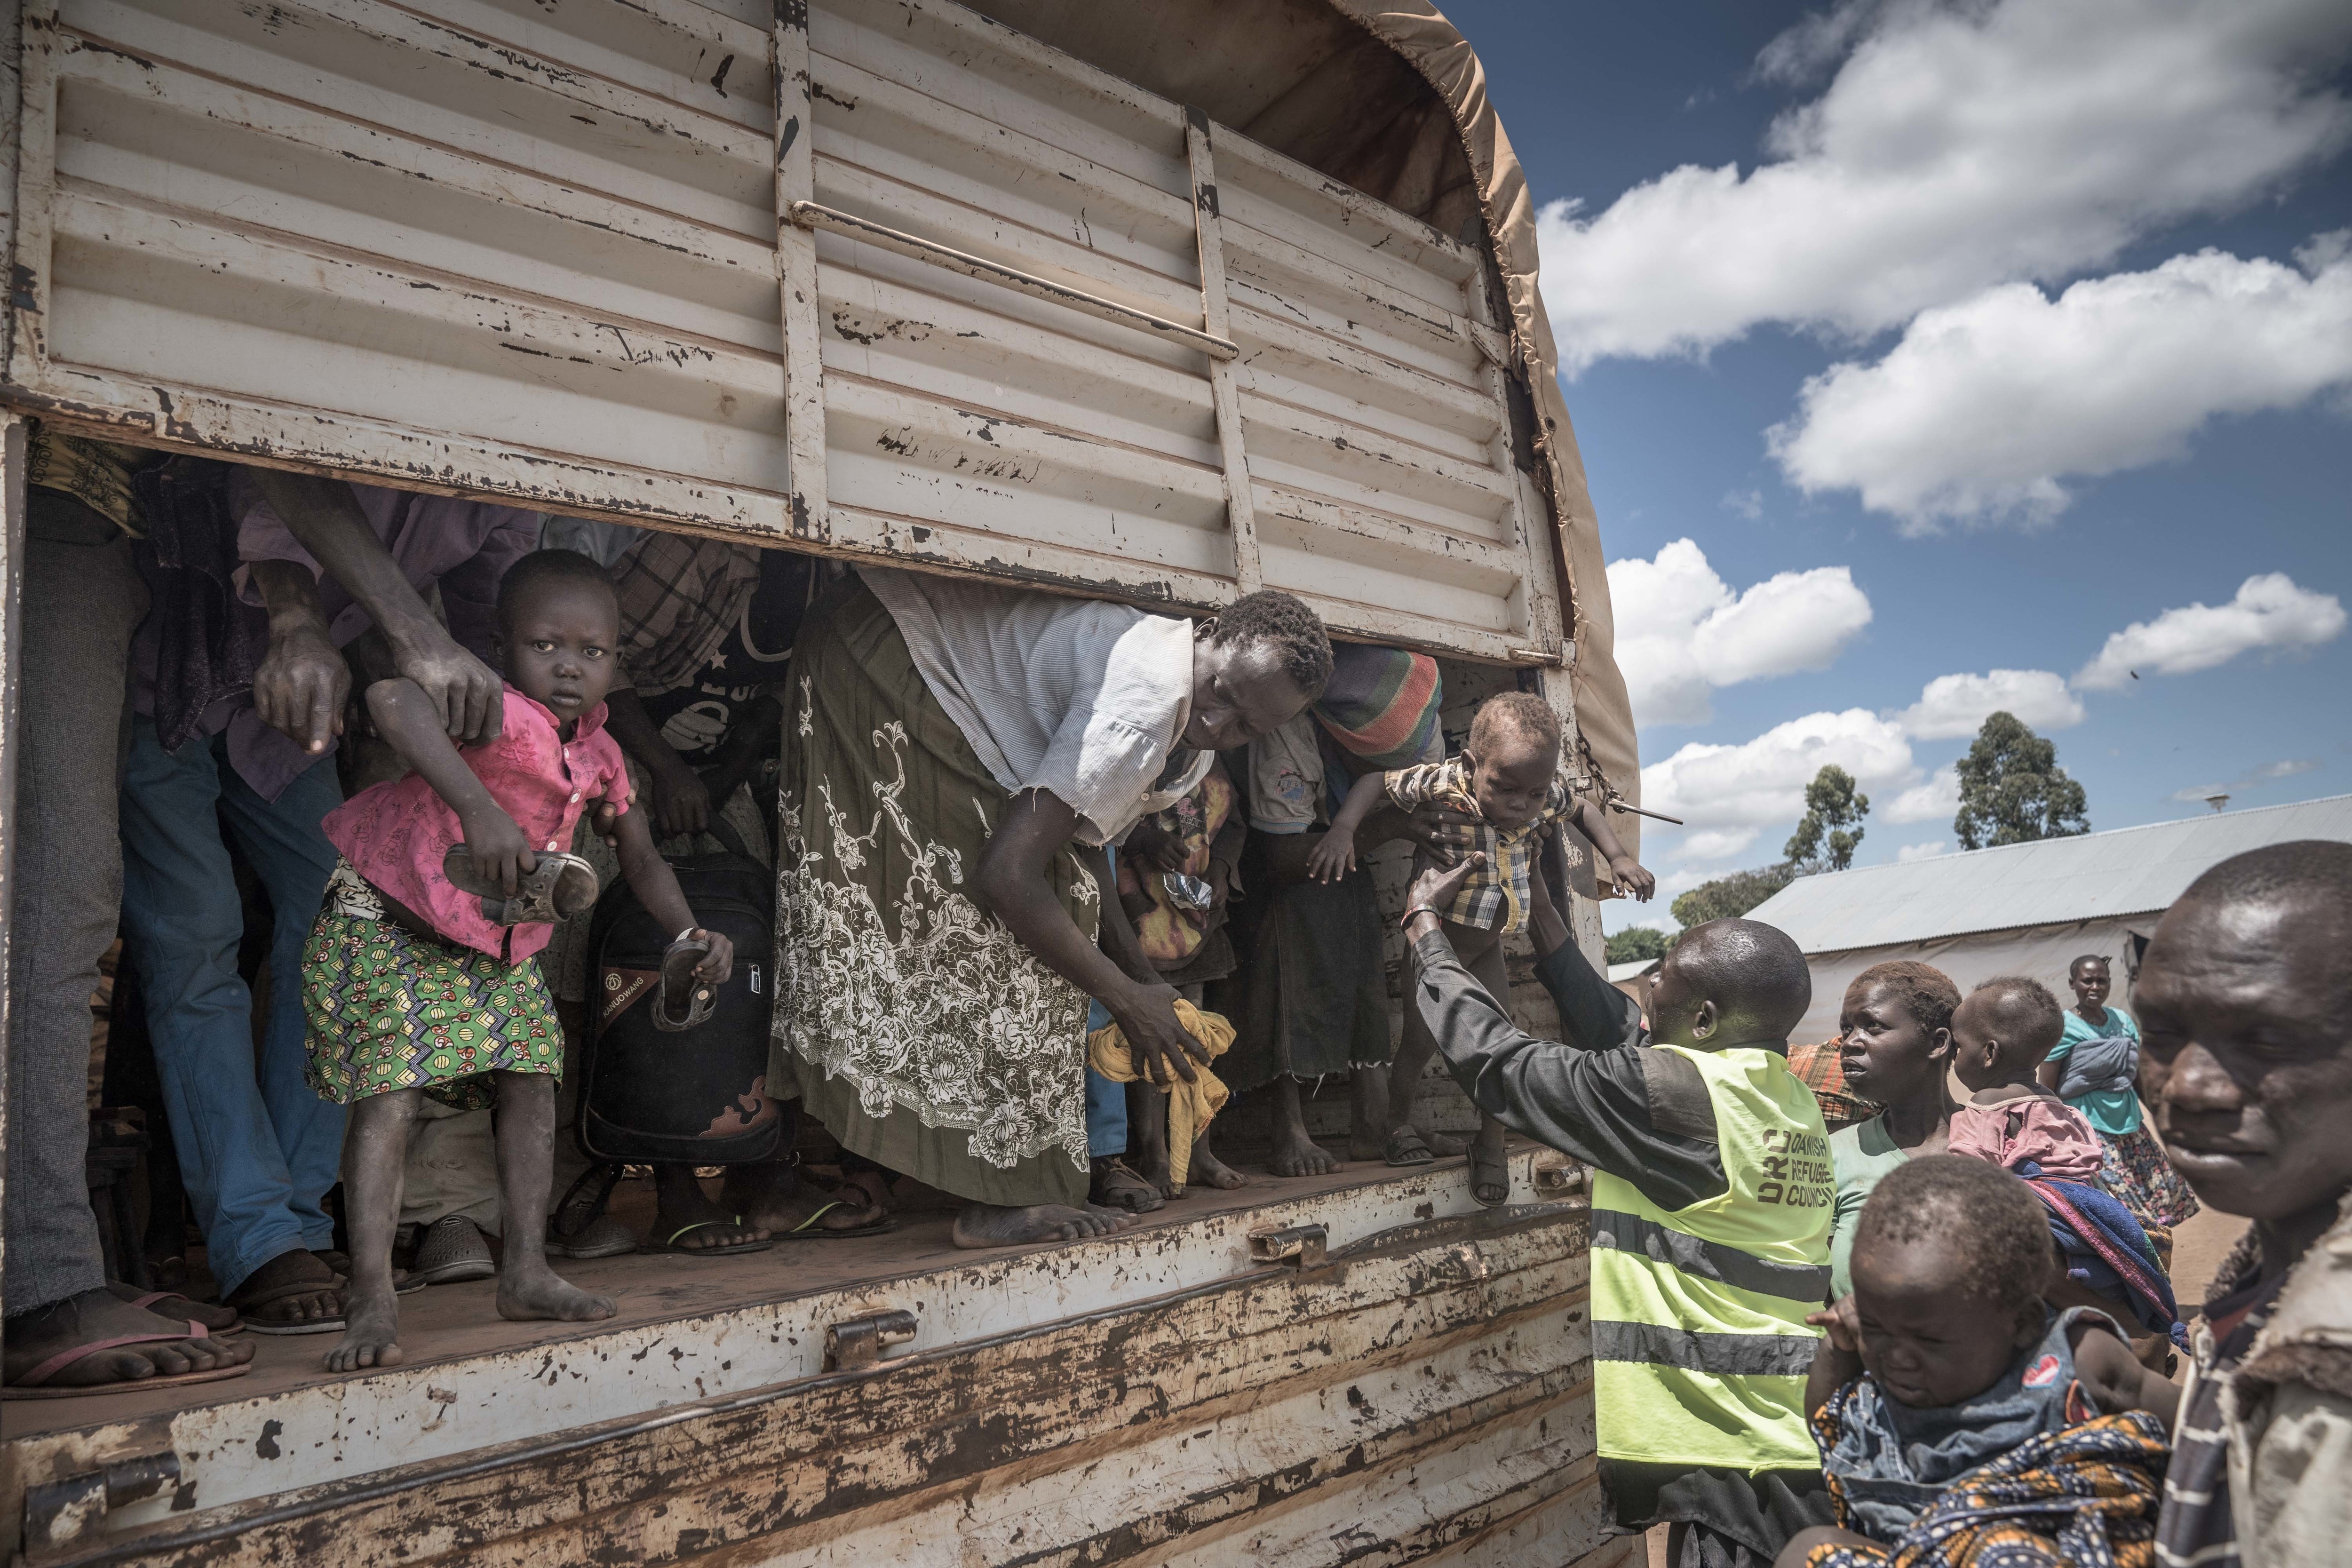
[(2134, 1168), (396, 834), (1821, 1069), (2041, 1128), (2085, 1496), (96, 473), (920, 1030), (1888, 1462), (2107, 1251), (390, 1009), (1173, 937), (1191, 1106), (1495, 897)]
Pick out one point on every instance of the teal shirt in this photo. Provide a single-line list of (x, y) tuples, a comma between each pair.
[(2112, 1113), (1860, 1157)]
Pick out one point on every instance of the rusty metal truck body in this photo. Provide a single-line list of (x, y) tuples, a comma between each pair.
[(1159, 302)]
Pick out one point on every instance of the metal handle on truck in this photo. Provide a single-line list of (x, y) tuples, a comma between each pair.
[(833, 220)]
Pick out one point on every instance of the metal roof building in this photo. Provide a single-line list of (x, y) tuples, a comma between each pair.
[(2023, 908)]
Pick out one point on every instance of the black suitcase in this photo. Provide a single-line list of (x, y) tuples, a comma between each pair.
[(650, 1097)]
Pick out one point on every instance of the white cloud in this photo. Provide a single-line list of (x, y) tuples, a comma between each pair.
[(1953, 705), (2270, 612), (1682, 631), (1910, 852), (1939, 797), (1985, 408), (1958, 146), (1729, 794)]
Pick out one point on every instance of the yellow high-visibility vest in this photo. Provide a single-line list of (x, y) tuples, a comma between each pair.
[(1699, 1340)]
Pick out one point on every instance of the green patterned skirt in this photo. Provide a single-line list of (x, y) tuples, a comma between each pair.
[(919, 1030), (390, 1009)]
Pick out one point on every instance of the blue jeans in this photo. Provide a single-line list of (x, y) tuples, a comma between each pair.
[(1106, 1101), (258, 1149)]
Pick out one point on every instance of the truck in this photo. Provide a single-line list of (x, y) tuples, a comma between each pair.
[(1162, 302)]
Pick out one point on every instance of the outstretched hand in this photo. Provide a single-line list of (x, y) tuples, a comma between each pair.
[(1333, 857), (1633, 876), (1436, 886)]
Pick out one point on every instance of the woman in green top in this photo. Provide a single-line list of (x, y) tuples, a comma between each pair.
[(2094, 1066), (1896, 1045)]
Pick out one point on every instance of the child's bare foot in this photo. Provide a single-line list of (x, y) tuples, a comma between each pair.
[(686, 1220), (991, 1225), (1208, 1170), (1367, 1113), (94, 1316), (371, 1330), (530, 1289), (1297, 1154)]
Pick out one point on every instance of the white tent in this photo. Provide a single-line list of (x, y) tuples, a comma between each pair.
[(2023, 909)]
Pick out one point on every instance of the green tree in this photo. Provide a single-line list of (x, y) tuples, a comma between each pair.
[(1728, 897), (1826, 838), (2012, 790), (1638, 944)]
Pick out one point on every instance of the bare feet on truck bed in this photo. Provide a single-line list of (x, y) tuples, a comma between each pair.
[(989, 1224), (1297, 1154), (538, 1292), (1208, 1170)]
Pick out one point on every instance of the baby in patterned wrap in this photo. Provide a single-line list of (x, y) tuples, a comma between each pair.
[(413, 981), (1950, 1400)]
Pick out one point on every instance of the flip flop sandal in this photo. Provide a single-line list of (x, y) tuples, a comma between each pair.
[(251, 1306), (677, 976), (1408, 1148), (35, 1385), (557, 887), (1486, 1170), (132, 1296), (452, 1252), (735, 1249), (579, 1227), (809, 1230)]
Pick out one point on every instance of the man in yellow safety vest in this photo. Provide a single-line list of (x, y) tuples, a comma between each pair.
[(1711, 1203)]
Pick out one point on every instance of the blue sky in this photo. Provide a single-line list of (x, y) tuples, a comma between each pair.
[(2077, 277)]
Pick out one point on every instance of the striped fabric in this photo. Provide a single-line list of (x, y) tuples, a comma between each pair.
[(1381, 704), (2197, 1528)]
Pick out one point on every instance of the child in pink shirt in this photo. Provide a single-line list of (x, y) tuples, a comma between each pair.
[(2000, 1036), (419, 976)]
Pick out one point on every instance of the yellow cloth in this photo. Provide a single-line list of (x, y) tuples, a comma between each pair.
[(1190, 1105)]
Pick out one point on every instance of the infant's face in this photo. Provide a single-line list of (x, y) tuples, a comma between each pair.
[(1512, 785), (1927, 1337), (560, 647)]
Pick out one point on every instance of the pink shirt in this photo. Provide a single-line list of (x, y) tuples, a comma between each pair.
[(2048, 1132), (395, 834)]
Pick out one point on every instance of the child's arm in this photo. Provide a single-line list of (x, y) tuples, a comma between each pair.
[(1336, 856), (1838, 1361), (656, 885), (1591, 820), (2114, 1379), (412, 723)]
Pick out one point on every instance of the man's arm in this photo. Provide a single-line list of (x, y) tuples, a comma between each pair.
[(325, 519), (303, 682), (1595, 1105), (681, 804), (1592, 1012)]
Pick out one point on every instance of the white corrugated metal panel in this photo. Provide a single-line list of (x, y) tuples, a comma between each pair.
[(2130, 871), (508, 246)]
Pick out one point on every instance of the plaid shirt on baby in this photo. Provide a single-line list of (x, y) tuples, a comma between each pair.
[(1495, 897)]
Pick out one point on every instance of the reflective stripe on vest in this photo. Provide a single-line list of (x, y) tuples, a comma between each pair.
[(1699, 1340)]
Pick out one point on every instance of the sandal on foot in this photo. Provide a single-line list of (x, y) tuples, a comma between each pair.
[(1406, 1147), (35, 1385), (451, 1251), (733, 1249), (1489, 1170), (1118, 1185), (579, 1226), (253, 1307), (809, 1230), (678, 980), (557, 887), (179, 1309)]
